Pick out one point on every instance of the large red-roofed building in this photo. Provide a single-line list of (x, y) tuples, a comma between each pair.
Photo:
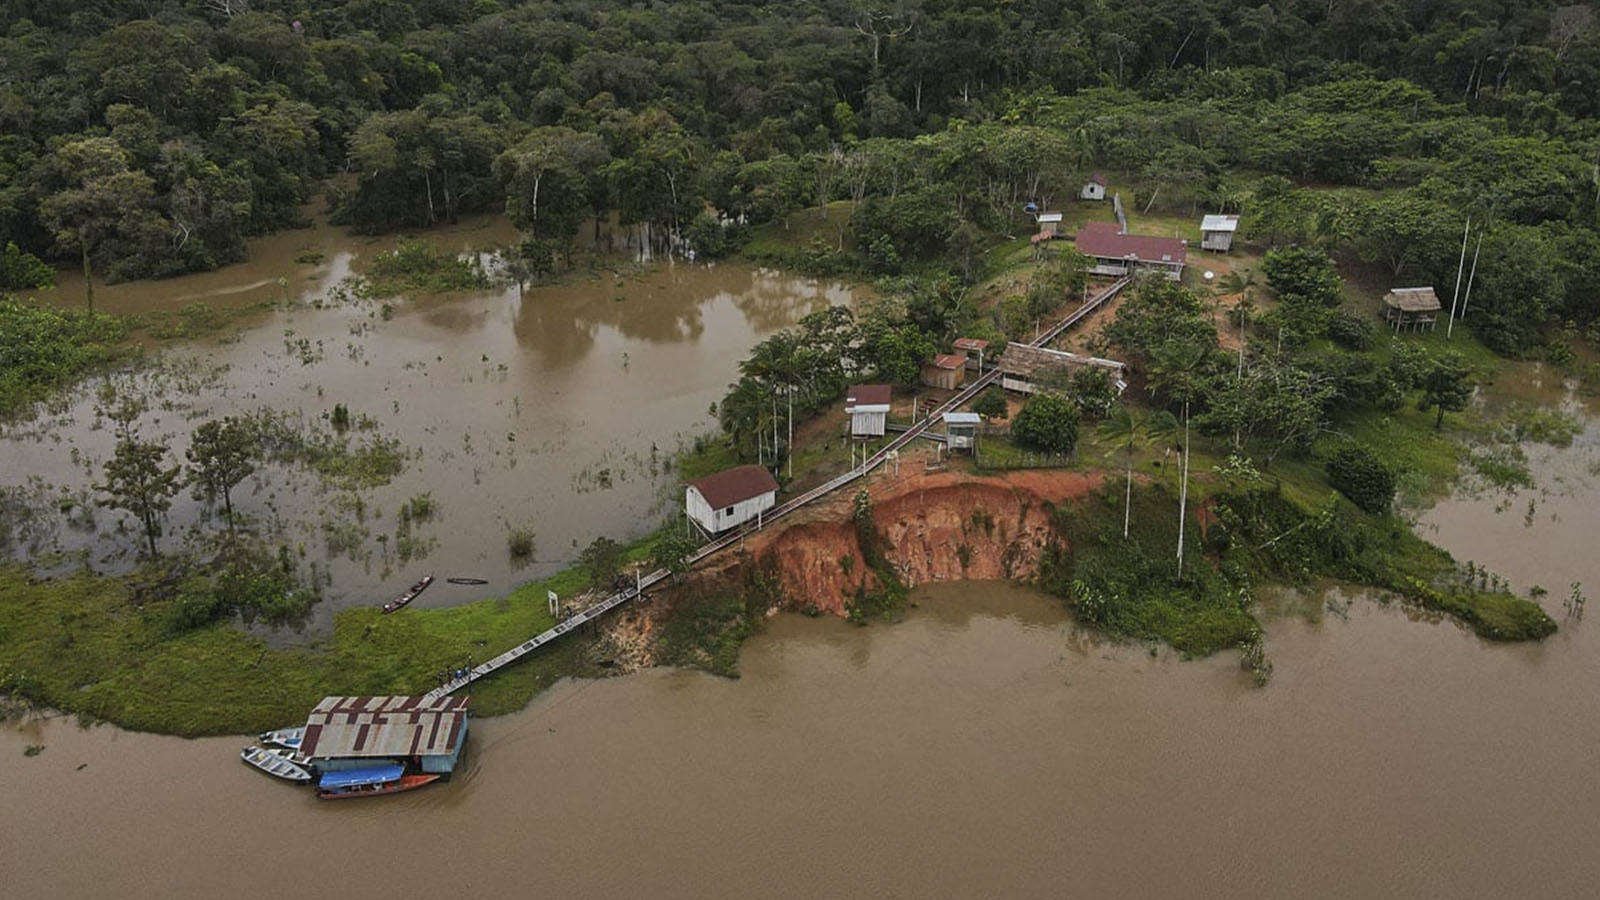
[(730, 498), (1113, 253)]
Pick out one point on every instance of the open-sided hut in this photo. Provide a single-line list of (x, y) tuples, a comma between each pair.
[(944, 371), (1411, 309), (1021, 366)]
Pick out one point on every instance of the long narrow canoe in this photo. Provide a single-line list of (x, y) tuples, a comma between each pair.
[(409, 595), (275, 764)]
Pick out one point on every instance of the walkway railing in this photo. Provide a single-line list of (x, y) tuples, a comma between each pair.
[(877, 459)]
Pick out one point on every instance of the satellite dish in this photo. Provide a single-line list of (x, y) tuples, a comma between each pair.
[(1210, 275)]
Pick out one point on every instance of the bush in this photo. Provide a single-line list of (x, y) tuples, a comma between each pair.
[(1350, 331), (1359, 474), (1049, 422), (43, 349), (991, 404), (1303, 276)]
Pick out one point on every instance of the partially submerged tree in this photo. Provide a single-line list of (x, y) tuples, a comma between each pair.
[(220, 456), (1447, 387), (136, 481)]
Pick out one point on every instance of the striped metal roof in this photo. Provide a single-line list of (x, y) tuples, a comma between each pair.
[(393, 727)]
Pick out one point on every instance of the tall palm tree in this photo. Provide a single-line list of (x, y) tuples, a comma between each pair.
[(1124, 428), (1177, 370)]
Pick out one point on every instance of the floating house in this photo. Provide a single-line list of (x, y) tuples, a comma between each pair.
[(1111, 252), (868, 408), (1021, 366), (1094, 188), (1411, 309), (1216, 232), (730, 498), (357, 734), (1050, 223), (944, 371), (961, 430)]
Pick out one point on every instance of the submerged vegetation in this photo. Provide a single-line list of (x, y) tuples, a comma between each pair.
[(43, 349)]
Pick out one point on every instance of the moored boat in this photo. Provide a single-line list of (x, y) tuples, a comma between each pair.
[(409, 595), (371, 781), (287, 738), (276, 764)]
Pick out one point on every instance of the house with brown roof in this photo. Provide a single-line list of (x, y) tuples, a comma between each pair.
[(730, 498), (868, 408), (1113, 252), (1094, 188), (354, 732), (947, 371)]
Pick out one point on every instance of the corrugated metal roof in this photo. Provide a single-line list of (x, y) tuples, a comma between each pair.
[(962, 418), (868, 395), (965, 343), (394, 727), (1051, 216), (1097, 178), (734, 485), (948, 361), (1103, 240), (1219, 223)]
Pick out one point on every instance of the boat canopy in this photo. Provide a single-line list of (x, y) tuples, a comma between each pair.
[(359, 777)]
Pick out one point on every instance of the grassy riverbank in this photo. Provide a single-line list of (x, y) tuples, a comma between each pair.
[(80, 644)]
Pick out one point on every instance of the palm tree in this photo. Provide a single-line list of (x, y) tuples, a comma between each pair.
[(1124, 428), (1176, 370)]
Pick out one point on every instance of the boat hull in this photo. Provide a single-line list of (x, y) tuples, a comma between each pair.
[(405, 783)]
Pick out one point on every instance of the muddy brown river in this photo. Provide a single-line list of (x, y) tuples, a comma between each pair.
[(557, 410), (983, 748)]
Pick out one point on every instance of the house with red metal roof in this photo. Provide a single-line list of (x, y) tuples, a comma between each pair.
[(1094, 188), (947, 371), (868, 408), (1113, 252), (730, 498)]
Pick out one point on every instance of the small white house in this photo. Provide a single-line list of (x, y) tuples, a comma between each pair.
[(1216, 232), (1094, 188), (868, 408), (730, 498), (961, 430)]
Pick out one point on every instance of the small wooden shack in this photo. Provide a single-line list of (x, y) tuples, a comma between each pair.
[(1411, 309), (1021, 366), (1050, 223), (947, 371), (1094, 188), (1216, 232), (868, 408), (973, 348), (730, 498), (961, 430)]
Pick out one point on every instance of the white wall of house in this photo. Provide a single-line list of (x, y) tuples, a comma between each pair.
[(1094, 190), (868, 421), (717, 520)]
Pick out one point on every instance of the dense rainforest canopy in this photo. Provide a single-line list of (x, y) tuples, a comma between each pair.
[(151, 137)]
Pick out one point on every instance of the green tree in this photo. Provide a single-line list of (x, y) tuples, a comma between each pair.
[(137, 482), (1047, 422), (1359, 474), (991, 404), (221, 454), (23, 271), (1447, 387), (103, 196), (602, 559), (548, 179), (672, 550)]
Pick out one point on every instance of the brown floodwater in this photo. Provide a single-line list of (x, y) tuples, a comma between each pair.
[(983, 748), (559, 409)]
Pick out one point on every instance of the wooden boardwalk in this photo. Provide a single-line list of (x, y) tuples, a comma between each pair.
[(716, 546)]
